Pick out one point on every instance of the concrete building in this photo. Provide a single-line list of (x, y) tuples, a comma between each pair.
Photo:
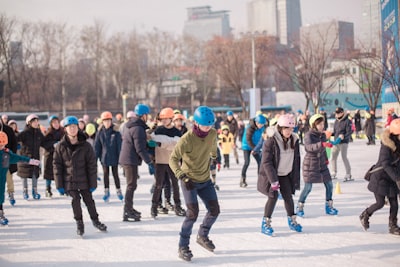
[(371, 26), (204, 24), (280, 18)]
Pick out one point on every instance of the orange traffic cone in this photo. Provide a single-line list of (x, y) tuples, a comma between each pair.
[(337, 190)]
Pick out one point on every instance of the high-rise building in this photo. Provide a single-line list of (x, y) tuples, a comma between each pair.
[(204, 24), (280, 18), (371, 26)]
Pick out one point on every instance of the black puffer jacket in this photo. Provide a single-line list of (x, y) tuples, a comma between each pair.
[(52, 137), (75, 165), (383, 182), (31, 139), (134, 143), (270, 162), (315, 169), (342, 126), (12, 142)]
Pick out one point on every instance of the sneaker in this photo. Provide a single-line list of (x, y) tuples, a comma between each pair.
[(179, 211), (97, 224), (185, 253), (205, 243)]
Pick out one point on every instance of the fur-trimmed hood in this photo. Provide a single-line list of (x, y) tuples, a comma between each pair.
[(386, 141)]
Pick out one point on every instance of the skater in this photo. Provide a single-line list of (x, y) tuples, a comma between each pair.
[(315, 165), (194, 150), (179, 121), (342, 132), (53, 135), (163, 171), (8, 157), (280, 170), (383, 182), (369, 127), (251, 137), (108, 147), (75, 173), (226, 142), (31, 139), (233, 125), (133, 151), (13, 146), (357, 123)]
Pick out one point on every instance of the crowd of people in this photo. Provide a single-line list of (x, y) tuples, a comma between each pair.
[(184, 155)]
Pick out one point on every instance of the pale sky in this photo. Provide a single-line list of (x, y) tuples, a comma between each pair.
[(169, 15)]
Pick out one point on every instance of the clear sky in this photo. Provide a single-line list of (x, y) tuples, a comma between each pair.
[(169, 15)]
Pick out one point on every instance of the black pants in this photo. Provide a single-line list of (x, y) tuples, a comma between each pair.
[(131, 174), (163, 171), (106, 170), (246, 155), (87, 199), (286, 191), (380, 202), (226, 160)]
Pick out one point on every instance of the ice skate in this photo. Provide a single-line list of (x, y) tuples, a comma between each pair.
[(25, 194), (35, 194), (48, 193), (130, 216), (300, 209), (329, 209), (185, 253), (364, 219), (266, 228), (393, 227), (169, 205), (119, 194), (161, 209), (206, 243), (293, 225), (80, 228), (179, 211), (106, 196), (243, 182), (101, 226), (348, 178), (11, 198), (153, 211), (3, 219)]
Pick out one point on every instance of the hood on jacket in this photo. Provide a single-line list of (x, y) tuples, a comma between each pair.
[(136, 122), (81, 138), (387, 141)]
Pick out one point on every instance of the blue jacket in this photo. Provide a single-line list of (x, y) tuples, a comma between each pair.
[(251, 136), (108, 146)]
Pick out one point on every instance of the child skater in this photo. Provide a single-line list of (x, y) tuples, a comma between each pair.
[(315, 164), (280, 169), (194, 149), (8, 157), (75, 172), (226, 143), (383, 181)]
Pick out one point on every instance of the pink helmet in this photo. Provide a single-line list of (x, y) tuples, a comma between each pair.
[(31, 117), (286, 120), (130, 114)]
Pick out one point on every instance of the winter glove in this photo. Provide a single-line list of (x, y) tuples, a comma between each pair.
[(151, 168), (189, 185), (327, 144), (275, 186), (152, 143), (337, 141), (61, 191), (18, 146), (34, 162), (92, 189), (218, 166)]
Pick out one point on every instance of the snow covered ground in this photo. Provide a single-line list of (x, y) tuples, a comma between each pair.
[(43, 233)]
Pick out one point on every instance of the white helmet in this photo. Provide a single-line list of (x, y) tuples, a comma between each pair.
[(31, 117)]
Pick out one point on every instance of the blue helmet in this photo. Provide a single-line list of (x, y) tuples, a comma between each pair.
[(260, 119), (53, 117), (203, 115), (70, 120), (141, 109), (229, 113)]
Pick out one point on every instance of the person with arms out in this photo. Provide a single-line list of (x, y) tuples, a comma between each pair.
[(194, 149), (315, 165), (8, 157), (53, 135), (133, 152), (280, 170), (108, 147), (75, 173), (251, 136), (384, 181), (31, 139), (341, 132)]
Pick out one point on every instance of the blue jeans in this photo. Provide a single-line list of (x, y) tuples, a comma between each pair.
[(207, 194), (307, 189)]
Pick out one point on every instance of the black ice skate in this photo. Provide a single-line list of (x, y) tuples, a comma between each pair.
[(80, 228), (132, 215), (179, 211), (206, 243), (185, 253), (102, 227)]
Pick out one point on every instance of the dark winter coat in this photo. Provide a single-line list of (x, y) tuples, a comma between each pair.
[(12, 142), (269, 166), (31, 139), (108, 146), (233, 126), (50, 139), (134, 143), (383, 182), (75, 165), (357, 121), (342, 126), (369, 126), (315, 168)]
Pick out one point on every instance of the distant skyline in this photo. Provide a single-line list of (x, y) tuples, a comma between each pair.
[(168, 15)]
